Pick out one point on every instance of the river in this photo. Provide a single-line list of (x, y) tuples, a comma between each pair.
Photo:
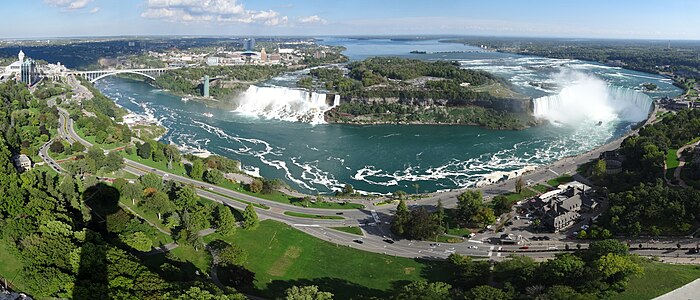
[(385, 158)]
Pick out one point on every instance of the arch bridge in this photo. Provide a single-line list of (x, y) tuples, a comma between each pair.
[(94, 76)]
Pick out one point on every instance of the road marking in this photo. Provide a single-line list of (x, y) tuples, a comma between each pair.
[(555, 173), (498, 254), (306, 225)]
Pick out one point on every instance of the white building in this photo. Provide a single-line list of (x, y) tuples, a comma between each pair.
[(15, 67)]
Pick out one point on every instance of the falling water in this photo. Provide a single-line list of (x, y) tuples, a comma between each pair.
[(285, 104)]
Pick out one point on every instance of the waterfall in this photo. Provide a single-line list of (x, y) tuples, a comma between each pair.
[(593, 100), (285, 104)]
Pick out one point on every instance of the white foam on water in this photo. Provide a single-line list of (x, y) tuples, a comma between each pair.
[(285, 104)]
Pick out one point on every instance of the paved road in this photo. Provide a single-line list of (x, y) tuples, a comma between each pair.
[(377, 236)]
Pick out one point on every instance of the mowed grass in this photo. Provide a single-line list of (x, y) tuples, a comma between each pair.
[(672, 159), (350, 229), (286, 199), (566, 178), (282, 256), (11, 267), (658, 279), (177, 169), (310, 216)]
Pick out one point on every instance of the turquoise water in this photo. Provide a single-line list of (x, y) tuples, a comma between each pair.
[(386, 158)]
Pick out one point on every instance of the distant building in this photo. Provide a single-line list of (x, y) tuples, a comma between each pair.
[(212, 61), (249, 44), (263, 55), (28, 73), (561, 208), (22, 162)]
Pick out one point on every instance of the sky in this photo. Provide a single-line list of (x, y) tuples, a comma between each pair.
[(640, 19)]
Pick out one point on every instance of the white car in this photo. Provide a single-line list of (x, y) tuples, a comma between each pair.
[(473, 247)]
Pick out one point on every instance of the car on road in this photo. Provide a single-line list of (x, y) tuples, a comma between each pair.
[(358, 241), (388, 241), (473, 247), (546, 238), (525, 247), (339, 213)]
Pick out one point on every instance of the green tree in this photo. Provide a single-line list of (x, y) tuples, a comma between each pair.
[(348, 190), (77, 147), (421, 290), (113, 162), (255, 186), (197, 170), (440, 213), (599, 169), (138, 240), (485, 292), (484, 216), (144, 150), (231, 255), (225, 222), (307, 293), (401, 195), (501, 205), (250, 217), (132, 191), (616, 269), (468, 204), (158, 203), (56, 147), (186, 197), (172, 154), (519, 184), (398, 224), (151, 180), (213, 176)]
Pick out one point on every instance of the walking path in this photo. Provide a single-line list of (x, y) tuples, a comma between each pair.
[(688, 291)]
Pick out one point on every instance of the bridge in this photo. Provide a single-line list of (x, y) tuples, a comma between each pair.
[(94, 76)]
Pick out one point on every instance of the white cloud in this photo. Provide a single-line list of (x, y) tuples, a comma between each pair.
[(315, 19), (95, 10), (69, 4), (222, 11)]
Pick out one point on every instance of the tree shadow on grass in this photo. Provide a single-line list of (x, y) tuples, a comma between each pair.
[(92, 280), (341, 289)]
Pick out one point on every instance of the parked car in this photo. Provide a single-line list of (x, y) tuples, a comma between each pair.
[(388, 241)]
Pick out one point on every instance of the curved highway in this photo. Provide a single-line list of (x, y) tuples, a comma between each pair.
[(374, 223)]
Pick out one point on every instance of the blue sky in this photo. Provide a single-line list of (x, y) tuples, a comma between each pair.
[(669, 19)]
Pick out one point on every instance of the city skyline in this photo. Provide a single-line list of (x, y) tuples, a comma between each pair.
[(673, 20)]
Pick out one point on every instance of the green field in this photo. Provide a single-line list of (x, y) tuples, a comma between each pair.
[(524, 194), (91, 139), (349, 229), (459, 231), (566, 178), (10, 267), (282, 256), (310, 216), (541, 188), (177, 169), (286, 199), (658, 279), (672, 162)]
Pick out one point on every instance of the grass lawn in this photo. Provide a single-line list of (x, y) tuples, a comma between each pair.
[(91, 139), (350, 229), (658, 279), (200, 259), (286, 199), (281, 256), (459, 231), (671, 163), (10, 267), (671, 159), (541, 188), (309, 216), (177, 169), (524, 194), (151, 217), (566, 178)]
